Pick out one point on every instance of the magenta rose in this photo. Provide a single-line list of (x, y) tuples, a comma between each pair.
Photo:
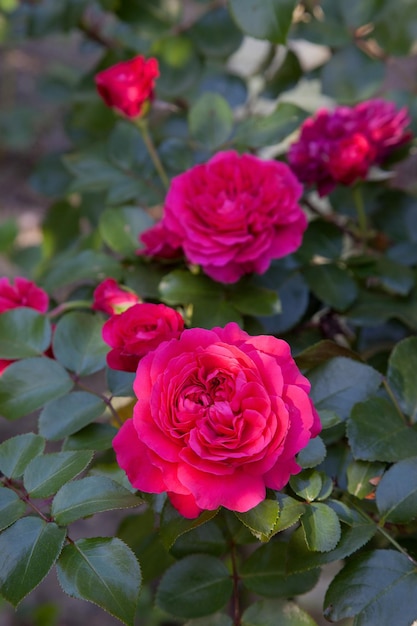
[(220, 417), (137, 331), (383, 125), (23, 292), (340, 146), (109, 297), (231, 215), (127, 86)]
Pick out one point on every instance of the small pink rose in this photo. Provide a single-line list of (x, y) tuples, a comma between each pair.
[(23, 292), (109, 297)]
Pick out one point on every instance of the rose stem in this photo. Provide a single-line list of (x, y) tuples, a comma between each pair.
[(143, 127), (360, 211)]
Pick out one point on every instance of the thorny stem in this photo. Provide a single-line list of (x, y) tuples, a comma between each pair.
[(236, 604), (23, 495), (383, 532), (143, 127), (106, 400)]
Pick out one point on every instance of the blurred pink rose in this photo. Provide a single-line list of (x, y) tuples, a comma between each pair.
[(339, 146), (109, 297), (4, 364), (220, 417), (231, 215), (23, 292), (127, 86), (137, 331)]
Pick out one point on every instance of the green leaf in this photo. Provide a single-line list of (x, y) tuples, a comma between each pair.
[(321, 352), (78, 343), (85, 265), (258, 131), (396, 494), (254, 300), (377, 587), (210, 120), (377, 432), (402, 367), (290, 511), (205, 539), (322, 239), (307, 485), (11, 507), (262, 519), (214, 620), (17, 452), (92, 437), (313, 454), (90, 495), (286, 77), (340, 383), (47, 473), (179, 65), (197, 585), (182, 287), (28, 384), (351, 75), (121, 227), (23, 333), (29, 549), (399, 40), (273, 612), (264, 573), (173, 525), (264, 19), (360, 474), (104, 571), (332, 285), (67, 415), (120, 383), (355, 533), (126, 148), (215, 34), (321, 527), (211, 313)]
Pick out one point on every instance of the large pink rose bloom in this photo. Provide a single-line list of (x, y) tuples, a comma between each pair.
[(231, 215), (23, 292), (220, 417)]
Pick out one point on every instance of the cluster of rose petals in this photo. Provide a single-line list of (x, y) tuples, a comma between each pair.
[(109, 297), (127, 86), (340, 146), (138, 330), (231, 215), (220, 417), (22, 292)]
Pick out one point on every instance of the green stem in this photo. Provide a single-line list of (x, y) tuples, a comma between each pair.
[(383, 532), (106, 400), (360, 211), (24, 496), (142, 124), (236, 603), (69, 306)]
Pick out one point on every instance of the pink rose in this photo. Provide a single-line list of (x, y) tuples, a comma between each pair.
[(22, 293), (350, 159), (383, 125), (339, 146), (231, 215), (137, 331), (220, 417), (127, 86), (109, 297)]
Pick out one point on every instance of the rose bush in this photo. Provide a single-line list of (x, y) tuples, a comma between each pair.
[(250, 308), (220, 417), (231, 215), (138, 330)]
